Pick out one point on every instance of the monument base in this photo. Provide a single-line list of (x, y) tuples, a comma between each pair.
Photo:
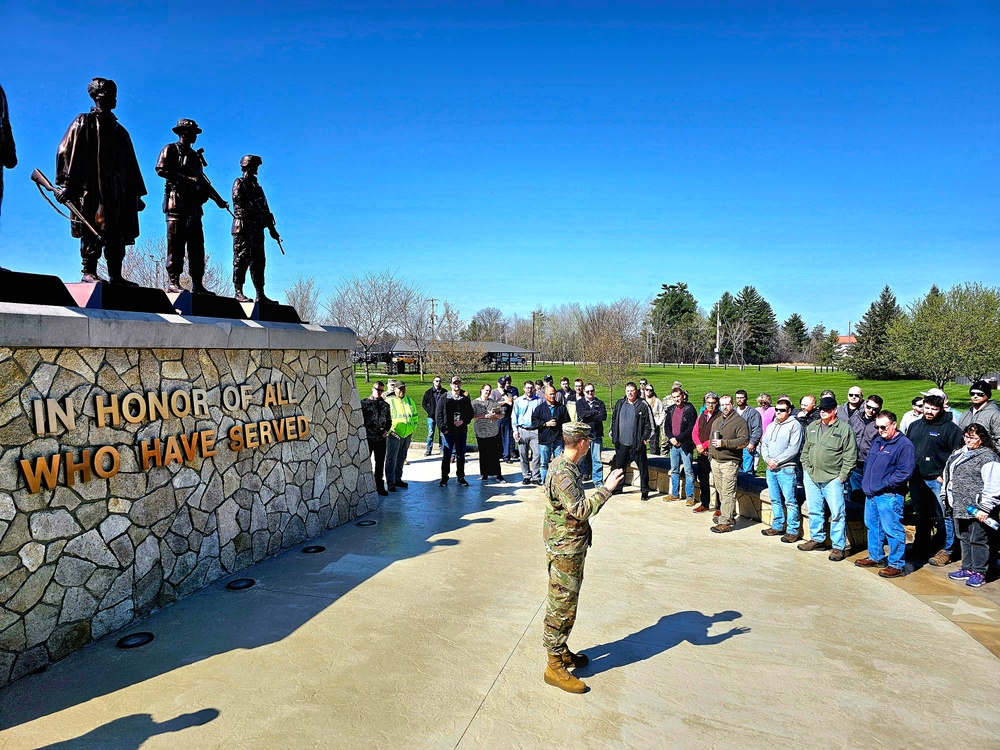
[(271, 313), (34, 289), (206, 306), (105, 296)]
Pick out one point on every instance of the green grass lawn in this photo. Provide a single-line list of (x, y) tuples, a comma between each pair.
[(896, 393)]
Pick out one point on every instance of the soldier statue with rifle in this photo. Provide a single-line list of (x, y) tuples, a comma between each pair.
[(99, 181), (251, 217), (186, 191)]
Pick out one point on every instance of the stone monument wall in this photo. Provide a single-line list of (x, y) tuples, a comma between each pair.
[(145, 456)]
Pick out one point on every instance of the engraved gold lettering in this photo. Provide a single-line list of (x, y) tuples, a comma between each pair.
[(278, 425), (140, 403), (245, 396), (158, 408), (290, 428), (266, 438), (303, 425), (208, 443), (180, 403), (116, 461), (38, 407), (74, 467), (149, 454), (103, 411), (288, 393), (56, 413), (43, 468), (199, 402), (269, 398), (281, 399), (230, 397), (236, 437), (253, 439), (190, 445), (172, 453)]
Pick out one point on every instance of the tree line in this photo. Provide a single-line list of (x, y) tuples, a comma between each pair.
[(937, 337)]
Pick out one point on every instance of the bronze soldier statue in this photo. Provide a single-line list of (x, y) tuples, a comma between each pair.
[(186, 191), (8, 155), (252, 216), (97, 171)]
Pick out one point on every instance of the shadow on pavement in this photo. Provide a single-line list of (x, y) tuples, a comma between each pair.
[(667, 632), (291, 588), (133, 731)]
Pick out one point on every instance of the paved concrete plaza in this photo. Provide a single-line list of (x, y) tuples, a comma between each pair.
[(425, 632)]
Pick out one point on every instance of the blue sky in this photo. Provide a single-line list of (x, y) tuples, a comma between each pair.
[(530, 154)]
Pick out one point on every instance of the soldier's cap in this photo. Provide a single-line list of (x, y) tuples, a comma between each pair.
[(184, 125), (250, 159), (576, 430)]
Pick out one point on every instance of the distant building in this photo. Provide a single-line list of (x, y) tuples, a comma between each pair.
[(844, 344), (403, 355)]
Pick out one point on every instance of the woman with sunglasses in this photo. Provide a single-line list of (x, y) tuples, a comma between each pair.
[(972, 480)]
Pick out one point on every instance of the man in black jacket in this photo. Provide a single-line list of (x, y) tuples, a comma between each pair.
[(631, 427), (378, 420), (430, 405), (548, 419), (592, 410), (677, 428), (454, 415), (934, 438)]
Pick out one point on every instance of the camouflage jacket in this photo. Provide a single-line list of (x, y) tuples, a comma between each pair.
[(568, 509)]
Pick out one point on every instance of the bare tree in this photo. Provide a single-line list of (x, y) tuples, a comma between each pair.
[(415, 324), (304, 297), (369, 304), (736, 332), (449, 354), (146, 264), (611, 335)]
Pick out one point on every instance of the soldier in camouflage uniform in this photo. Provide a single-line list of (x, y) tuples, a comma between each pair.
[(251, 217), (567, 536)]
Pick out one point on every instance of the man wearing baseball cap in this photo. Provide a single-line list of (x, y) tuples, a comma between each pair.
[(567, 536), (829, 454), (984, 410)]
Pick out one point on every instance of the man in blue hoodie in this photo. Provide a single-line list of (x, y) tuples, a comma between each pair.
[(889, 465)]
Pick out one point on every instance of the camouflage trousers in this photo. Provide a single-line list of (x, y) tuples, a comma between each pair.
[(565, 579)]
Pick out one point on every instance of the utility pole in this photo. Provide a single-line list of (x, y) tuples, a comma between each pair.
[(718, 333), (533, 314)]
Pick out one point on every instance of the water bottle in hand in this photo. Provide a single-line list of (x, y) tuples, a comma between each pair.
[(991, 522)]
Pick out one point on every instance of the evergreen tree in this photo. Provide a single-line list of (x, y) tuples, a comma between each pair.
[(871, 358), (672, 310), (796, 331), (762, 325), (829, 352)]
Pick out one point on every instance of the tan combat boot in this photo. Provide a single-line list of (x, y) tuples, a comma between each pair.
[(556, 674), (574, 661)]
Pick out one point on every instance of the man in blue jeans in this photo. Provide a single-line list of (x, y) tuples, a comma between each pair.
[(889, 465), (779, 449), (548, 418), (593, 411), (678, 425), (829, 453), (430, 403)]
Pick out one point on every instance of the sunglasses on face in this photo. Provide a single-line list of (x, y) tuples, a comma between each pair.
[(780, 411), (976, 393), (883, 427)]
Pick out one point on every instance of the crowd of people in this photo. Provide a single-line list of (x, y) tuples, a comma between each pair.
[(945, 461)]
